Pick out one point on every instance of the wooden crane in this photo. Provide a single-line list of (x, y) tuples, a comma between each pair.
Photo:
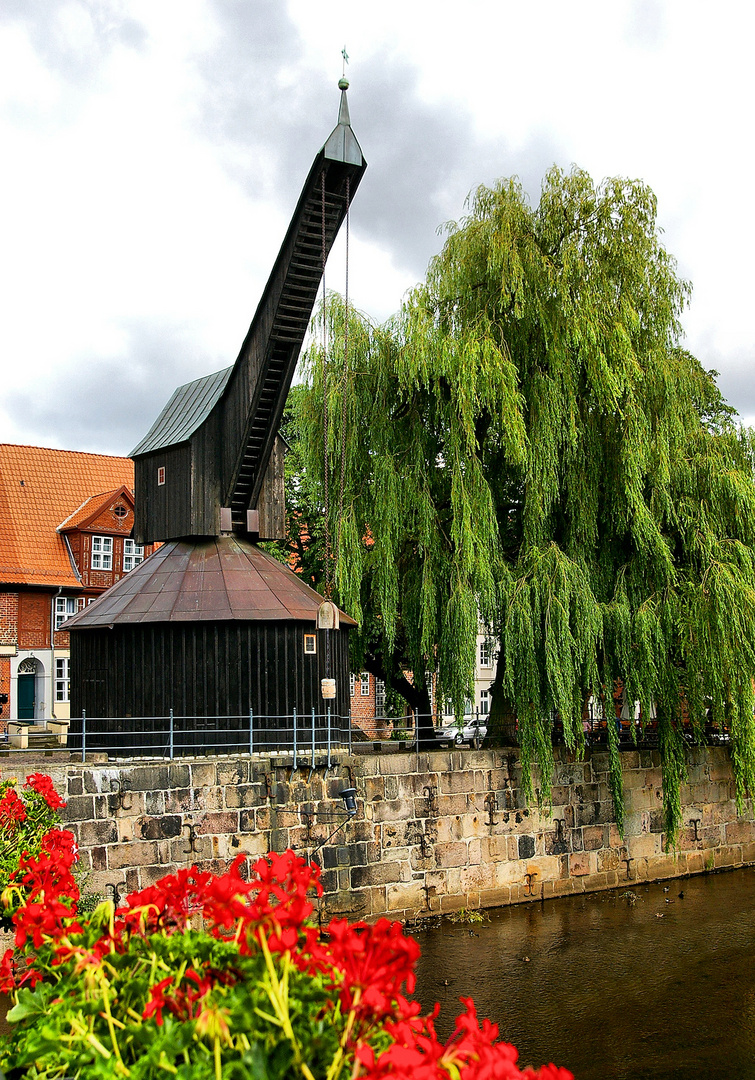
[(209, 464), (212, 630)]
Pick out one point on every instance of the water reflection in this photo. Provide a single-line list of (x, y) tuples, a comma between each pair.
[(661, 988)]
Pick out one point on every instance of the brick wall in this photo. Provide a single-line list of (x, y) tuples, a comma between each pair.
[(8, 618), (34, 620), (363, 710), (433, 833)]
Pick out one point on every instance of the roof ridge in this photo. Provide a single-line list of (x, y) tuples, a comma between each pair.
[(57, 450)]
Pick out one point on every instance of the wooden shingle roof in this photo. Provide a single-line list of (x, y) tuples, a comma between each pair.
[(39, 489)]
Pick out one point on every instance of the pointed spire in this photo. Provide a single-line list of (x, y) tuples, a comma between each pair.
[(342, 143)]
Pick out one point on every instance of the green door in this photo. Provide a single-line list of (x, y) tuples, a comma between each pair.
[(26, 702)]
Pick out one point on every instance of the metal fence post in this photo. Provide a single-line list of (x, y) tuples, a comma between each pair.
[(171, 736), (83, 735), (251, 731), (313, 734), (348, 720), (294, 738)]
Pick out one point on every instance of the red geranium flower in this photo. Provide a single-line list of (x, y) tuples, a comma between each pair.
[(43, 785), (12, 810)]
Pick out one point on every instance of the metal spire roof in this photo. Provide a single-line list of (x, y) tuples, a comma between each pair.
[(342, 143)]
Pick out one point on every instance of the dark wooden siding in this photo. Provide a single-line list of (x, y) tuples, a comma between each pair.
[(272, 500), (164, 511), (210, 674)]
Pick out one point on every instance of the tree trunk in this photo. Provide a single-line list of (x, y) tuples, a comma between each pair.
[(417, 698), (502, 728)]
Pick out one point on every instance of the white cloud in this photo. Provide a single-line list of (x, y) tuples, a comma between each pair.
[(154, 152)]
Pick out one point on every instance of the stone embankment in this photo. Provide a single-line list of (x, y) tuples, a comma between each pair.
[(434, 832)]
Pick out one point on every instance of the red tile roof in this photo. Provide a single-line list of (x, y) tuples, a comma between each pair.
[(39, 489)]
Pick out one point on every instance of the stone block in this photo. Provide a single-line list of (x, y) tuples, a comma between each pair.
[(138, 853), (543, 868), (526, 847), (179, 776), (644, 846), (728, 856), (98, 856), (93, 833), (154, 803), (456, 783), (587, 813), (373, 788), (451, 854), (382, 874), (579, 864), (254, 844), (227, 822), (450, 828), (494, 848), (75, 785), (232, 773), (179, 801), (608, 859), (393, 810), (79, 808), (203, 774), (406, 897), (159, 828), (593, 837), (560, 795), (244, 795), (145, 778)]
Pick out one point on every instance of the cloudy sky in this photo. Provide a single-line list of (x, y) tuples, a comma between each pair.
[(153, 151)]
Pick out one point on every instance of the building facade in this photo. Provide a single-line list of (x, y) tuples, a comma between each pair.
[(66, 535)]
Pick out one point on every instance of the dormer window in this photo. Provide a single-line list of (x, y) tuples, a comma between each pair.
[(102, 553), (120, 511), (133, 554)]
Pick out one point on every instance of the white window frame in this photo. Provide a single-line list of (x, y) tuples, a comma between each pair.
[(310, 644), (133, 554), (102, 553), (486, 659), (364, 681), (484, 702), (379, 697), (65, 607), (62, 679), (352, 684)]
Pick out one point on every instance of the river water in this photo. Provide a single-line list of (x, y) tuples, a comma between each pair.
[(609, 987)]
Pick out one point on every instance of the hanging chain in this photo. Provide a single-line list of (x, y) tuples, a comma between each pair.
[(345, 379), (326, 492)]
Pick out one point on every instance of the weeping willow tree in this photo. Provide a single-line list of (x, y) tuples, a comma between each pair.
[(530, 447)]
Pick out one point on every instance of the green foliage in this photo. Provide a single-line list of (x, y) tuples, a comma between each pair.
[(530, 445), (21, 832), (74, 1024)]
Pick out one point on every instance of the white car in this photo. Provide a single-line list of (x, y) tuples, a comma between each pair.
[(471, 729)]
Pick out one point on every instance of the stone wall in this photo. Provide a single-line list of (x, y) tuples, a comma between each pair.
[(434, 832)]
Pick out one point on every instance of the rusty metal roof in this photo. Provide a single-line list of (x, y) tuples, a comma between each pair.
[(214, 580), (189, 406)]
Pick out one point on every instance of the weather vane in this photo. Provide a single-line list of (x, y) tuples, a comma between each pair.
[(345, 56)]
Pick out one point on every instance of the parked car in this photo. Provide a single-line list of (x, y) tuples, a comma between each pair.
[(471, 729)]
